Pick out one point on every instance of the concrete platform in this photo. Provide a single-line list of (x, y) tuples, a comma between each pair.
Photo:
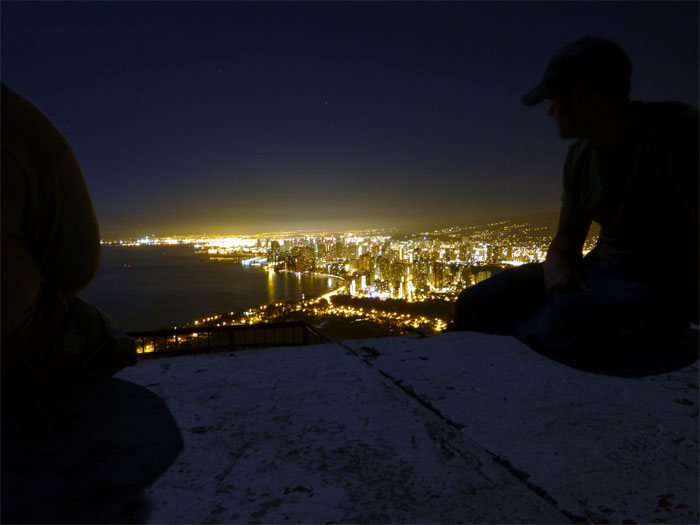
[(597, 446), (452, 428)]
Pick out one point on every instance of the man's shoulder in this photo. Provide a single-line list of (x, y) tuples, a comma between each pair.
[(666, 114), (669, 107)]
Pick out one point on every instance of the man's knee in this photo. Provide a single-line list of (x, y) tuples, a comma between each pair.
[(464, 307), (493, 304), (593, 322), (82, 341), (474, 305)]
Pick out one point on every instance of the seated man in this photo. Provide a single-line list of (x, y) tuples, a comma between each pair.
[(633, 169), (50, 251)]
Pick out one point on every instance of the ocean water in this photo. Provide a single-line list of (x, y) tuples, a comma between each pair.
[(150, 287)]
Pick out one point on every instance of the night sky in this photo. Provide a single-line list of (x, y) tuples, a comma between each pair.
[(238, 118)]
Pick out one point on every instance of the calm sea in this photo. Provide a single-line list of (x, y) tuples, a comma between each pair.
[(149, 287)]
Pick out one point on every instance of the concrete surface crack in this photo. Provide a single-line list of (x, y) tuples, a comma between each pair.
[(518, 474), (408, 389), (542, 493)]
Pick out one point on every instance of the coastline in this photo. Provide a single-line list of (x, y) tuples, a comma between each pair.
[(158, 287), (309, 273)]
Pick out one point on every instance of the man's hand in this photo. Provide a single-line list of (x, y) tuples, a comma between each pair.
[(559, 272), (561, 276)]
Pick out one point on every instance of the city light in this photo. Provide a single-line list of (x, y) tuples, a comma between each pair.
[(373, 266)]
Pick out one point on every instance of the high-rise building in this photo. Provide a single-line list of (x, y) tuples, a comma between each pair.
[(366, 263), (438, 274), (274, 251)]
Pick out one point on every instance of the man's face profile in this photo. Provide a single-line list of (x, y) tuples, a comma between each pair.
[(563, 111)]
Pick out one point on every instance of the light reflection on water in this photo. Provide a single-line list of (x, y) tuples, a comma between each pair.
[(150, 287)]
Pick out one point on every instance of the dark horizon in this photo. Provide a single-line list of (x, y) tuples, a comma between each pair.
[(242, 118)]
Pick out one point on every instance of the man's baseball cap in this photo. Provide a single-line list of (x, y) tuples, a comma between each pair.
[(592, 62)]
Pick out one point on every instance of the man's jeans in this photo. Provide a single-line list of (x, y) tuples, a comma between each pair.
[(619, 312)]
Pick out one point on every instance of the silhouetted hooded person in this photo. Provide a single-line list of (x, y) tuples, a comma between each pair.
[(50, 251), (633, 169)]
